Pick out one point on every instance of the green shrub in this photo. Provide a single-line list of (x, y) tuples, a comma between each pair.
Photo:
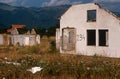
[(53, 47)]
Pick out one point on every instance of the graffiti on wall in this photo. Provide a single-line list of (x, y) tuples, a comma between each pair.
[(80, 37)]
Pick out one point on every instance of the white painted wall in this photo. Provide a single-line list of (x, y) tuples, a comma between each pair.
[(76, 17), (1, 39), (38, 39), (57, 38), (27, 41)]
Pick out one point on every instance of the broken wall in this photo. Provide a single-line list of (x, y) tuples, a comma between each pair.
[(58, 38)]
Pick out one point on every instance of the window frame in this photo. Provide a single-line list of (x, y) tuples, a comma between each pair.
[(106, 37), (94, 18)]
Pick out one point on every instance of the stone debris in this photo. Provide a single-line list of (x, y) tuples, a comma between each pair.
[(35, 69)]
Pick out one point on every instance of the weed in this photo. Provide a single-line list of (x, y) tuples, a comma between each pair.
[(55, 65)]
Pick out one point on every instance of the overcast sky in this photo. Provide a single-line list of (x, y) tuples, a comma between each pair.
[(38, 3)]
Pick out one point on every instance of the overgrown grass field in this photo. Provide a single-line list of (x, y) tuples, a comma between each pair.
[(54, 65)]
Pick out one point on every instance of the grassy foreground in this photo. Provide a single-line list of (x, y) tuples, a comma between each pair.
[(54, 64)]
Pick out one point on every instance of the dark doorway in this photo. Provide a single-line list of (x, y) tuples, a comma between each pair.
[(68, 39)]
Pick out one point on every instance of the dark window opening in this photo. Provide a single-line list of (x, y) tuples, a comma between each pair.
[(103, 37), (91, 37), (91, 15)]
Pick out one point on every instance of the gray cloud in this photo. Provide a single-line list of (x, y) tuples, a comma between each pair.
[(77, 2), (106, 0), (39, 3), (60, 2), (7, 1), (56, 2)]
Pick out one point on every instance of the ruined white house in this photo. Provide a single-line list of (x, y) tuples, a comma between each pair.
[(21, 39), (88, 29), (28, 39)]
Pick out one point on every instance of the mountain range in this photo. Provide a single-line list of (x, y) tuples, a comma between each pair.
[(37, 16), (31, 17)]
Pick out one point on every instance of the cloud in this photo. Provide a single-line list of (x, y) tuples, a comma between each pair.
[(7, 1), (60, 2), (38, 3), (14, 2), (56, 2), (106, 0), (22, 2), (77, 2)]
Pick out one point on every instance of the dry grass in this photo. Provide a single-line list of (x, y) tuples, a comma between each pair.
[(54, 64)]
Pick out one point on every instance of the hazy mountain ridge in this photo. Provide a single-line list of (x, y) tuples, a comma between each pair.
[(7, 7), (32, 16)]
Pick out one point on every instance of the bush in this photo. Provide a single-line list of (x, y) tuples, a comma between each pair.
[(29, 50), (53, 47)]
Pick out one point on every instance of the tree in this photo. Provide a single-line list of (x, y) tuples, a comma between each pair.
[(41, 31), (3, 30), (52, 30)]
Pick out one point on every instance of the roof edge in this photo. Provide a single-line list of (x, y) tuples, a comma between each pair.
[(111, 13), (108, 11)]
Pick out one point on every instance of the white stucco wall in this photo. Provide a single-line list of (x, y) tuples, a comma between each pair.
[(38, 39), (76, 17), (23, 40), (57, 38), (1, 39)]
